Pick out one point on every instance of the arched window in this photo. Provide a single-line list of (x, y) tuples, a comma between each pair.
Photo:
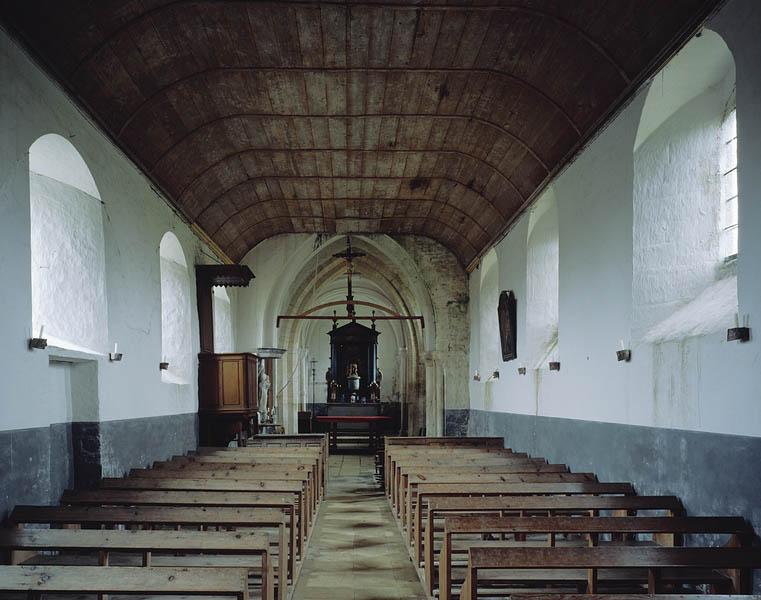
[(490, 350), (685, 196), (729, 192), (67, 248), (223, 320), (542, 272), (176, 340)]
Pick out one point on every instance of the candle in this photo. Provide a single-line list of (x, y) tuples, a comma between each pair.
[(737, 319), (621, 344), (116, 347), (42, 329)]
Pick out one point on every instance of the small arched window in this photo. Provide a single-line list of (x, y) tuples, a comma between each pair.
[(67, 248), (729, 191), (176, 338)]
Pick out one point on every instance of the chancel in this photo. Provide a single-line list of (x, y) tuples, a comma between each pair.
[(359, 299)]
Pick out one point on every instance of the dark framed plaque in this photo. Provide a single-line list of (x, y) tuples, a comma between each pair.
[(507, 313)]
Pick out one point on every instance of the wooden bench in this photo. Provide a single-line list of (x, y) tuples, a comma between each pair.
[(103, 497), (211, 471), (273, 455), (409, 491), (296, 488), (147, 543), (515, 596), (429, 490), (36, 580), (631, 566), (537, 506), (400, 464), (665, 530), (175, 517), (492, 464), (239, 458)]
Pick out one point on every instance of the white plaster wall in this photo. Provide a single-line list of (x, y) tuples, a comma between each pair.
[(33, 391), (68, 266), (488, 298), (702, 382), (224, 337), (176, 345), (676, 174), (542, 286)]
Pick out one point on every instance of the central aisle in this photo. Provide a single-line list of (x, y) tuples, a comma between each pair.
[(356, 551)]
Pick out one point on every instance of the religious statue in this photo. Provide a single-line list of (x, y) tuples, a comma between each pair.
[(379, 377), (352, 377), (374, 390), (264, 386), (333, 391), (328, 376)]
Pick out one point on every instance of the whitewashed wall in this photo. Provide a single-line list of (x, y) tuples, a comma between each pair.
[(35, 392), (701, 383)]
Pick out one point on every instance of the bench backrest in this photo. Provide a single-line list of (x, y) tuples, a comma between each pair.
[(149, 515), (125, 580)]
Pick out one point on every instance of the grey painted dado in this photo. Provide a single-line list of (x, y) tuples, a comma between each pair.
[(713, 474), (36, 465)]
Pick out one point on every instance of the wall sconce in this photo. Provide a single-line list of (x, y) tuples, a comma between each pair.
[(623, 354), (521, 370), (115, 356), (494, 375), (737, 333), (163, 366), (476, 376), (554, 366), (39, 342)]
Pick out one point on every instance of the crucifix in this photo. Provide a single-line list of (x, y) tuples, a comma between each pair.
[(349, 255)]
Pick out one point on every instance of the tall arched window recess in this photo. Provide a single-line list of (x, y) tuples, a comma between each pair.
[(176, 338), (67, 248)]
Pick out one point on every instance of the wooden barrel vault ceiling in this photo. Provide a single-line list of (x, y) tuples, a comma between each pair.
[(443, 119)]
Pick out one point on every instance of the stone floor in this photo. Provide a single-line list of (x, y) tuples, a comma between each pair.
[(356, 551)]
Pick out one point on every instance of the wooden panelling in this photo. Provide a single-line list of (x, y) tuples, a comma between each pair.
[(442, 119)]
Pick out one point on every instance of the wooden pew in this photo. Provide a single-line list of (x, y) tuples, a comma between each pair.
[(212, 471), (36, 580), (103, 497), (409, 491), (290, 440), (653, 566), (218, 485), (241, 458), (514, 596), (147, 543), (430, 490), (455, 464), (273, 455), (393, 444), (400, 464), (668, 529), (521, 506), (175, 517)]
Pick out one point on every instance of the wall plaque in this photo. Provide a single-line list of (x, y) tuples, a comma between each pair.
[(507, 313)]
